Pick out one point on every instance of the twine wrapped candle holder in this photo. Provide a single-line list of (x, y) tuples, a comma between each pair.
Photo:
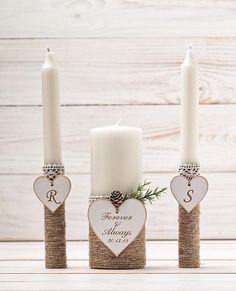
[(52, 190), (55, 238), (189, 188), (54, 224), (101, 257), (189, 238), (189, 230)]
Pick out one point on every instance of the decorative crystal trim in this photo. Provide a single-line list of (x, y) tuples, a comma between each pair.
[(189, 170), (93, 198), (53, 170)]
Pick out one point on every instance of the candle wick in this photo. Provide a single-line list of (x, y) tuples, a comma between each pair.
[(48, 49), (190, 46), (118, 122)]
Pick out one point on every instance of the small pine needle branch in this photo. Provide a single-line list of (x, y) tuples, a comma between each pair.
[(144, 194)]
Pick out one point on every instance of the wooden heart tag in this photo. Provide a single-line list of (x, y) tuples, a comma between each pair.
[(117, 230), (52, 196), (189, 194)]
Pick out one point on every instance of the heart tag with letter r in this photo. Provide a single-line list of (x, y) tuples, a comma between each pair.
[(117, 230), (52, 196), (189, 194)]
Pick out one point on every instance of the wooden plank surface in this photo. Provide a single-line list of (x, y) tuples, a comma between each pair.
[(69, 282), (117, 18), (152, 267), (21, 214), (22, 268), (21, 136), (117, 71), (211, 250)]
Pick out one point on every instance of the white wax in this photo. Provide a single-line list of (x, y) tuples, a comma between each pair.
[(189, 109), (51, 110), (116, 159)]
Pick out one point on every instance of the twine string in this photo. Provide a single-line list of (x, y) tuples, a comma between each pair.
[(189, 230), (54, 225), (189, 242), (101, 257)]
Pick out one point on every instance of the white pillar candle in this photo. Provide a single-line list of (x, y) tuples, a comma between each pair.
[(116, 159), (189, 109), (51, 110)]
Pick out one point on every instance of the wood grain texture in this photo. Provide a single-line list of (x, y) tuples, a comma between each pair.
[(21, 213), (22, 268), (118, 59), (117, 71), (117, 282), (21, 148), (117, 18), (159, 250), (153, 267)]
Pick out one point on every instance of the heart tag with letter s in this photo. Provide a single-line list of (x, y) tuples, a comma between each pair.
[(117, 230), (52, 196), (189, 194)]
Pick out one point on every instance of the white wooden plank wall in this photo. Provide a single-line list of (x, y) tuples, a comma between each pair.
[(118, 59)]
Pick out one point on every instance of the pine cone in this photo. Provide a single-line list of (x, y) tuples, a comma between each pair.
[(116, 198)]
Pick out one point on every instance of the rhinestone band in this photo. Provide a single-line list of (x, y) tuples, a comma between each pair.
[(93, 198), (53, 170), (189, 170)]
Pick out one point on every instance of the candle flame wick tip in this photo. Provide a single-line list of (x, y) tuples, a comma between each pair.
[(48, 49), (190, 46)]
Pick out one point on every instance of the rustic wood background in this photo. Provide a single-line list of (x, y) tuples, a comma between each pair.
[(118, 59)]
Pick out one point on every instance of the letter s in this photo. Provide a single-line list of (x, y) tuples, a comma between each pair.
[(189, 194)]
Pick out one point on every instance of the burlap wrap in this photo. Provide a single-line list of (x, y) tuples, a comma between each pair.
[(133, 257), (189, 238), (55, 238)]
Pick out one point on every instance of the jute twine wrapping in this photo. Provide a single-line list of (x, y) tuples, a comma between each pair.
[(189, 238), (55, 238), (133, 257)]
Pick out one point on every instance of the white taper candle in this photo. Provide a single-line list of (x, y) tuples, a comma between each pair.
[(189, 108), (51, 110)]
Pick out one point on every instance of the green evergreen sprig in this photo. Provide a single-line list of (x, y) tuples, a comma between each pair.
[(143, 194)]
